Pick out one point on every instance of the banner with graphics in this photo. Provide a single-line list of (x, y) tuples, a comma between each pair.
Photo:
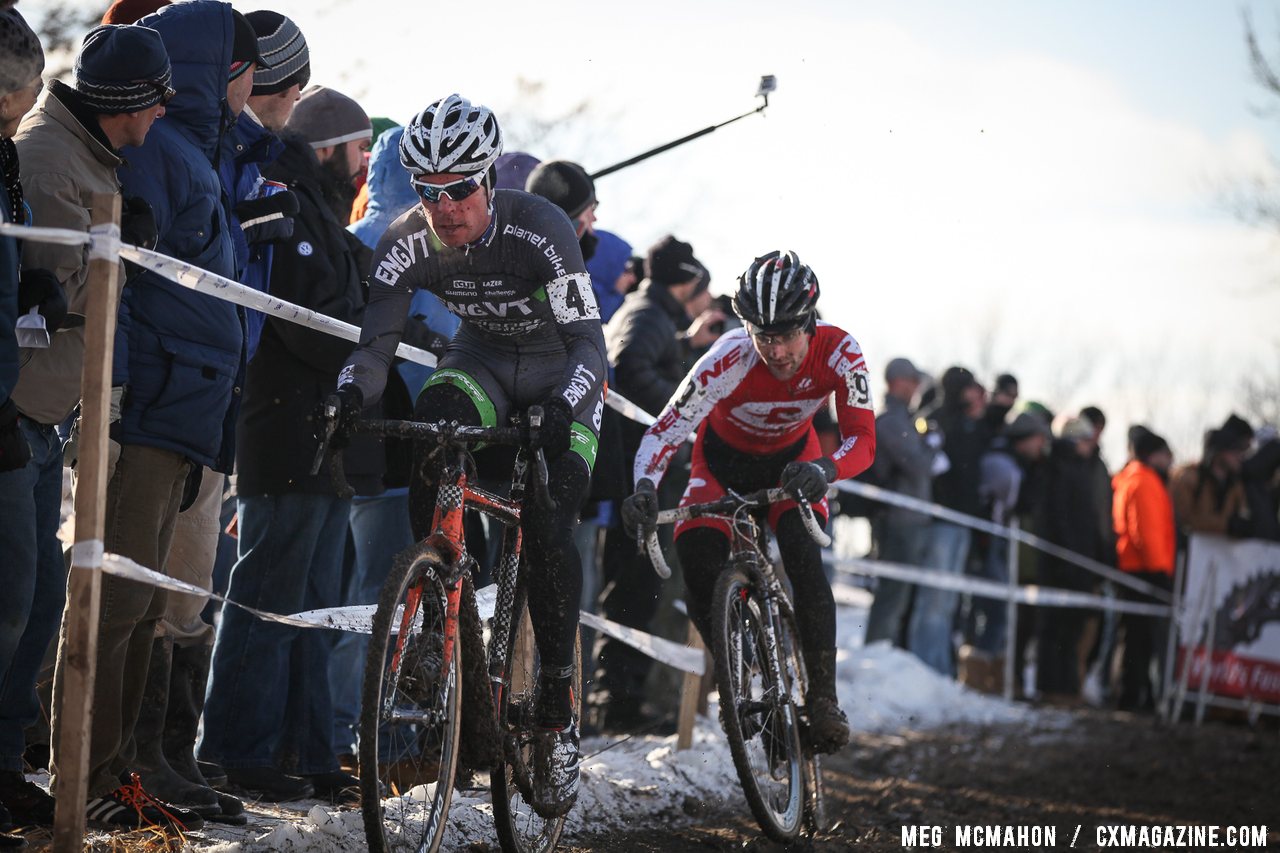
[(1233, 585)]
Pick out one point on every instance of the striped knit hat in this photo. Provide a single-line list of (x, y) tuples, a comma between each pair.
[(122, 69), (283, 47)]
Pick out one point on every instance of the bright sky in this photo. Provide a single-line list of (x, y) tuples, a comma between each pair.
[(1033, 187)]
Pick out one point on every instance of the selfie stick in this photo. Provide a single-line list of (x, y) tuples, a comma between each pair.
[(768, 83)]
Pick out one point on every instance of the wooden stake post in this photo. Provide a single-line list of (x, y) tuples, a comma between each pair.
[(693, 695), (80, 648)]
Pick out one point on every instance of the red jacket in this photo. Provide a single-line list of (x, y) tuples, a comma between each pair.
[(1142, 513)]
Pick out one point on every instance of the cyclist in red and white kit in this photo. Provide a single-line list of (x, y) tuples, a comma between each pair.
[(752, 399)]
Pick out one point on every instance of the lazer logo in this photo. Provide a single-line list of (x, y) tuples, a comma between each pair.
[(579, 385), (400, 257), (490, 310)]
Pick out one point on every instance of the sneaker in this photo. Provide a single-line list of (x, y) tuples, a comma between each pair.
[(130, 807), (269, 784), (27, 802), (828, 726), (212, 773), (555, 771)]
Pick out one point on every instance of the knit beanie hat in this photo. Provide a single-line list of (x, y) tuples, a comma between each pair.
[(21, 57), (282, 46), (131, 11), (672, 262), (122, 69), (565, 184), (1147, 444), (244, 49), (325, 117), (514, 169)]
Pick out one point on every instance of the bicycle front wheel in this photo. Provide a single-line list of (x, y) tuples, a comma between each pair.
[(520, 829), (409, 714), (756, 707)]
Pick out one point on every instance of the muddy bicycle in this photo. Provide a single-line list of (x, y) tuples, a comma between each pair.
[(759, 667), (427, 645)]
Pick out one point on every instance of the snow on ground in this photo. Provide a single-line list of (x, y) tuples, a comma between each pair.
[(883, 690)]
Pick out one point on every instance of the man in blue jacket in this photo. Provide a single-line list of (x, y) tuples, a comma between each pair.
[(179, 364)]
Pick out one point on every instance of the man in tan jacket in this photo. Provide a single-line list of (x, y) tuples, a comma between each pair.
[(69, 150)]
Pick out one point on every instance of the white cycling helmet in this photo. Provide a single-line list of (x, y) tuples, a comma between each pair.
[(777, 293), (451, 135)]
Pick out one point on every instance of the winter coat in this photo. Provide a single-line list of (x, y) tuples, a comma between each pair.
[(1142, 512), (903, 461), (1070, 517), (181, 353), (965, 439), (246, 148), (608, 262), (319, 268), (646, 355), (1203, 505), (65, 159)]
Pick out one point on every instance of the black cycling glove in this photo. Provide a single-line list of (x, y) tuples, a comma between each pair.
[(14, 450), (557, 426), (346, 404), (40, 289), (268, 219), (640, 511), (138, 223), (809, 479)]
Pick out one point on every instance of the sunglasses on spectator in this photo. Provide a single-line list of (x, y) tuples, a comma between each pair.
[(457, 190)]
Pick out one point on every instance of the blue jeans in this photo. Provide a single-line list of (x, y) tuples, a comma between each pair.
[(35, 582), (989, 617), (899, 543), (268, 700), (929, 634), (379, 531)]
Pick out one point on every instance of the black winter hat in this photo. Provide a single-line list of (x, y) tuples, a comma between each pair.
[(284, 49), (122, 68), (1236, 432), (21, 56), (244, 49), (672, 262), (1147, 444), (565, 184)]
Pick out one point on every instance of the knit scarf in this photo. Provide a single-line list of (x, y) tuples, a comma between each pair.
[(14, 211)]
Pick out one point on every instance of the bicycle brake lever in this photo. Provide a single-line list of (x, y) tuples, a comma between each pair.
[(331, 424)]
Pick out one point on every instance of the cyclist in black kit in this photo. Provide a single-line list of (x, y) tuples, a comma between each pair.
[(507, 263)]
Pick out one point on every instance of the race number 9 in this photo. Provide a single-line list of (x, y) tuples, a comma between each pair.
[(859, 385), (572, 298)]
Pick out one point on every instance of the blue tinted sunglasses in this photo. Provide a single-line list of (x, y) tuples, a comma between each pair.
[(457, 190)]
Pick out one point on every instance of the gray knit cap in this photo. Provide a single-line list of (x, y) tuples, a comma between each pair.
[(21, 57), (324, 117), (285, 50)]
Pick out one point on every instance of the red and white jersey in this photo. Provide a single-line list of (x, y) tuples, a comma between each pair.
[(732, 388)]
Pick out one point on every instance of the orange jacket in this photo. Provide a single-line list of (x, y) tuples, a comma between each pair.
[(1142, 513)]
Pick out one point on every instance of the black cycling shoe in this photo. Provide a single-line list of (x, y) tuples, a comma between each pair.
[(269, 784), (556, 773), (828, 726)]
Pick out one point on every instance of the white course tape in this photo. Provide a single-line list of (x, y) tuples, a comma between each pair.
[(1038, 595), (104, 242), (87, 554), (876, 493), (628, 409), (61, 236)]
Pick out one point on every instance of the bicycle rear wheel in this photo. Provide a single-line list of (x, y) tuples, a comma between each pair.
[(520, 829), (409, 714), (756, 706)]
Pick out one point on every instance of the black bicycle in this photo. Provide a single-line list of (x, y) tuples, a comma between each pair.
[(759, 667)]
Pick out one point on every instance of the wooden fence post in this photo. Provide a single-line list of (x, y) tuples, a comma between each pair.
[(80, 648), (692, 697)]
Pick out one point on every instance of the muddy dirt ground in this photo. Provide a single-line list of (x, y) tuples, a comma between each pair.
[(1101, 769)]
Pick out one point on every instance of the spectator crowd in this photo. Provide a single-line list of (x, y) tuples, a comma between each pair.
[(205, 123)]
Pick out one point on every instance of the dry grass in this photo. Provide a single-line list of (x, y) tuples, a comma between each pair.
[(150, 840)]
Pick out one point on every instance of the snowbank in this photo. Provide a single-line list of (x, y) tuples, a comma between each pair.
[(884, 690)]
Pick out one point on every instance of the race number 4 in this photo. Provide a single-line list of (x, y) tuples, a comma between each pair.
[(572, 299)]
